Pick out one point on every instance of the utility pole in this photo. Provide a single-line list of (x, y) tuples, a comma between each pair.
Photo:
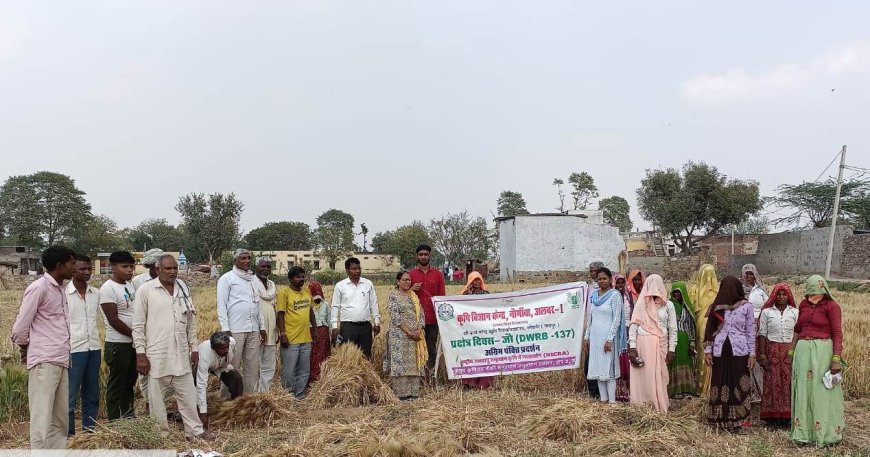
[(836, 214)]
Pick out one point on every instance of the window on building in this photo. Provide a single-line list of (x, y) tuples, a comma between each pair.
[(316, 264), (290, 264)]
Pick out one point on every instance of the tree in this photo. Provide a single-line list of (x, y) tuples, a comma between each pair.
[(696, 204), (616, 213), (99, 234), (402, 243), (858, 208), (814, 201), (156, 233), (280, 236), (42, 209), (334, 235), (584, 189), (460, 237), (559, 182), (511, 204), (364, 231), (752, 226), (211, 222)]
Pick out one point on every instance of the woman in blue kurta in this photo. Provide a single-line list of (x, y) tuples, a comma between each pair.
[(605, 320)]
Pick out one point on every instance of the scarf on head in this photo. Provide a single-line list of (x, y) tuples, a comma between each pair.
[(316, 290), (646, 309), (474, 275), (422, 351), (771, 301), (816, 285), (758, 282), (632, 293), (685, 318), (730, 297), (150, 256), (703, 291)]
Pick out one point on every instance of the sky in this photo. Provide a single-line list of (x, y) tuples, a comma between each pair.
[(397, 111)]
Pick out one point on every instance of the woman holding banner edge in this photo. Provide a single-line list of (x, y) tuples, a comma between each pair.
[(606, 325), (476, 286)]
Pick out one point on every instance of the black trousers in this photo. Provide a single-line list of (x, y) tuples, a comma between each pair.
[(591, 385), (358, 333), (120, 385), (232, 379), (431, 343)]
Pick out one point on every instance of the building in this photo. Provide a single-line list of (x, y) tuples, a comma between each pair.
[(282, 261), (19, 260), (555, 246)]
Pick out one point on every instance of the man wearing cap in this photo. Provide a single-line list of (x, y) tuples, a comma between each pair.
[(149, 261), (268, 293), (238, 309)]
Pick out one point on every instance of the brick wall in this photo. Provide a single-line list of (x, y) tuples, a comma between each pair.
[(856, 257)]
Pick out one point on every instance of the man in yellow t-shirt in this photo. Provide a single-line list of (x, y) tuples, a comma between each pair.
[(296, 331)]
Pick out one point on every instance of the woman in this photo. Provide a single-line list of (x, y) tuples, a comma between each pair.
[(703, 291), (623, 390), (606, 323), (729, 348), (476, 286), (682, 369), (634, 286), (405, 352), (775, 334), (756, 293), (817, 412), (321, 349), (652, 339)]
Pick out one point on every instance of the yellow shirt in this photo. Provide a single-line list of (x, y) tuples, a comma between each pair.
[(296, 308)]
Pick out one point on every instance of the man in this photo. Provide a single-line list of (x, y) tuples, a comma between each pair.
[(594, 267), (116, 300), (84, 370), (355, 304), (164, 335), (238, 308), (268, 294), (428, 282), (214, 357), (42, 331), (149, 261), (296, 331)]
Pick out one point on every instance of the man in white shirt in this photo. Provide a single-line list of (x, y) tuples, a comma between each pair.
[(268, 295), (84, 370), (355, 307), (116, 300), (149, 261), (238, 308), (164, 335), (214, 358)]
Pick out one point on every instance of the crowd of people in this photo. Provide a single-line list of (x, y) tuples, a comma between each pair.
[(730, 341), (643, 343)]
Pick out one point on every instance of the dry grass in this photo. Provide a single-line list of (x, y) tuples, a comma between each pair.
[(528, 415)]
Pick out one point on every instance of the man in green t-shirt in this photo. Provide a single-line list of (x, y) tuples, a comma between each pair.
[(296, 331)]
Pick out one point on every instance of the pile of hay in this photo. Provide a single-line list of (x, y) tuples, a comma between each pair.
[(571, 420), (138, 433), (261, 409), (467, 423), (348, 379)]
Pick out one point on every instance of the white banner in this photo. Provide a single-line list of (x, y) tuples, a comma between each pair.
[(526, 331)]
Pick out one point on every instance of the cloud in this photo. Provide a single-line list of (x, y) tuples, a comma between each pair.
[(738, 85)]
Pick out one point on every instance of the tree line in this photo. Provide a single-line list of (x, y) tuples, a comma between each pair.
[(687, 205)]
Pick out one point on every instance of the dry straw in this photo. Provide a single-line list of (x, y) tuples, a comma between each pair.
[(349, 380), (256, 410), (138, 433)]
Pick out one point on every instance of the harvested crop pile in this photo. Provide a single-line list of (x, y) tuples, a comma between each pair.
[(348, 380), (138, 433), (255, 410)]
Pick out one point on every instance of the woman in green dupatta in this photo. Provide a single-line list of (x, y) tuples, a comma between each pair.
[(682, 369), (817, 349)]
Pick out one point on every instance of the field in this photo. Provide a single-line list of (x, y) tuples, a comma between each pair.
[(530, 415)]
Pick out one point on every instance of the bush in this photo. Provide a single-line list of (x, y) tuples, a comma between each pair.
[(328, 277), (13, 393)]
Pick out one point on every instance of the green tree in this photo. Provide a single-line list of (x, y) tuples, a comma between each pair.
[(155, 233), (858, 209), (280, 236), (511, 204), (364, 231), (334, 235), (42, 209), (752, 226), (814, 201), (211, 222), (99, 234), (584, 189), (460, 237), (616, 213), (695, 204), (559, 182), (402, 243)]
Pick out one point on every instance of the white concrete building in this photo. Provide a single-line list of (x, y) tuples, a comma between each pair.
[(556, 242)]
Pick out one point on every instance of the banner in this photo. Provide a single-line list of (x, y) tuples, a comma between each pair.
[(526, 331)]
